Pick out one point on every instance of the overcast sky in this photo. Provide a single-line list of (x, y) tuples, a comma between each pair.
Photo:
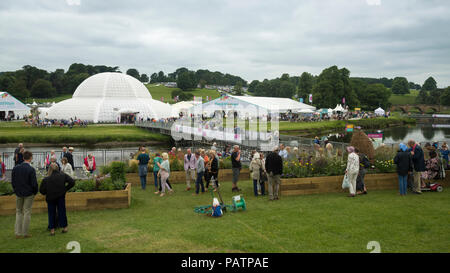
[(254, 39)]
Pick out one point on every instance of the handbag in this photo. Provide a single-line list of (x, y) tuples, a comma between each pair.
[(345, 182), (262, 176)]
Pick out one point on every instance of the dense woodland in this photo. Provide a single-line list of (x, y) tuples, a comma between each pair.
[(327, 89)]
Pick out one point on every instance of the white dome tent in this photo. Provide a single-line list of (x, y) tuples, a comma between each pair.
[(379, 111), (106, 96)]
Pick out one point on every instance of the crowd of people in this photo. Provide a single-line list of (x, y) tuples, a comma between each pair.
[(45, 122), (419, 166), (414, 163)]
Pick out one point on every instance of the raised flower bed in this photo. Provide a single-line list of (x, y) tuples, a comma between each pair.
[(94, 200), (107, 192)]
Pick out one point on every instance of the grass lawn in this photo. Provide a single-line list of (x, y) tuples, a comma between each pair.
[(404, 99), (161, 91), (15, 132), (313, 223)]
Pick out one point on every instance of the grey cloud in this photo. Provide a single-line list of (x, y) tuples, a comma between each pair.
[(253, 39)]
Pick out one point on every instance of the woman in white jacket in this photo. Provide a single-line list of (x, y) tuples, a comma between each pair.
[(352, 170), (66, 167)]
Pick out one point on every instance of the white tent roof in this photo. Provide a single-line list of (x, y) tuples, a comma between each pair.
[(102, 97), (10, 103), (306, 111), (252, 105), (339, 108), (379, 111)]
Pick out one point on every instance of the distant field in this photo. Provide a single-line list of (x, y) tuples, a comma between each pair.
[(161, 91), (404, 99)]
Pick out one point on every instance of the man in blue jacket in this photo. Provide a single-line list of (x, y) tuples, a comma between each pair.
[(24, 183), (419, 164)]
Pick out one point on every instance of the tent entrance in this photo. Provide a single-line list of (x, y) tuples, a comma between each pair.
[(127, 118)]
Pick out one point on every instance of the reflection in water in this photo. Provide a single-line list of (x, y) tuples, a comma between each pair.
[(420, 133)]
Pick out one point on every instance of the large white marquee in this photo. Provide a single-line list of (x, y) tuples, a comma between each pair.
[(106, 96)]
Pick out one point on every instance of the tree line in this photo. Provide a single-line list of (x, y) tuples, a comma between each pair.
[(33, 82), (187, 79), (334, 86)]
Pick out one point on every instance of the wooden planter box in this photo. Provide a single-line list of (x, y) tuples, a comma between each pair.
[(179, 177), (325, 184), (94, 200)]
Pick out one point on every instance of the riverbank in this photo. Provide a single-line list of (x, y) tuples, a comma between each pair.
[(93, 135), (325, 127)]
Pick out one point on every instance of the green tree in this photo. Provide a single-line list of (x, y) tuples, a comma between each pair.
[(375, 95), (144, 78), (252, 86), (182, 96), (43, 89), (445, 97), (332, 86), (305, 85), (6, 81), (71, 82), (133, 72), (237, 89), (19, 89), (31, 74), (57, 80), (423, 97), (186, 81), (154, 78), (429, 85), (400, 86), (202, 83), (287, 89)]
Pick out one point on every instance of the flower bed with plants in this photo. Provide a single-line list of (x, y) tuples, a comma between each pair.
[(107, 191), (308, 175)]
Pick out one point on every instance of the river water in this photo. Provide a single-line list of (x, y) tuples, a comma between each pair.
[(419, 133)]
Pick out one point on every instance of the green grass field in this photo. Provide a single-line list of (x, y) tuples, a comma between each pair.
[(15, 132), (404, 99), (161, 91), (312, 223)]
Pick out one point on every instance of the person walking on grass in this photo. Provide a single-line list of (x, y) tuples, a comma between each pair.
[(157, 160), (200, 172), (255, 169), (418, 164), (236, 167), (190, 162), (404, 163), (54, 187), (164, 173), (364, 164), (213, 170), (24, 183), (143, 159), (274, 169), (352, 170)]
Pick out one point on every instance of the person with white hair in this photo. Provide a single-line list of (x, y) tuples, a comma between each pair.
[(274, 169), (255, 169), (214, 147), (164, 173)]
